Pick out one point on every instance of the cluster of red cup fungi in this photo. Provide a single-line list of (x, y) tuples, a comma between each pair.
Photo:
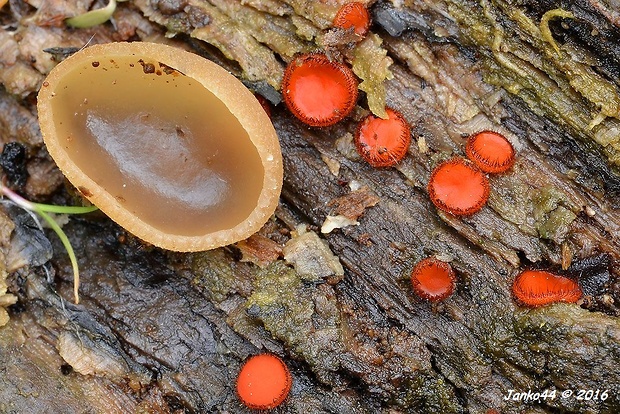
[(321, 92), (435, 280), (460, 186)]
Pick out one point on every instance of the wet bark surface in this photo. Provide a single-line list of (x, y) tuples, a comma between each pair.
[(157, 331)]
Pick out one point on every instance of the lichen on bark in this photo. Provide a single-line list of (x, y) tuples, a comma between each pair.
[(558, 83), (372, 65)]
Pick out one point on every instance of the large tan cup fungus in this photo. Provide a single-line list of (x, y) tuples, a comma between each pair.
[(169, 145)]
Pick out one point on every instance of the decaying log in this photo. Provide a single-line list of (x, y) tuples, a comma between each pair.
[(157, 331)]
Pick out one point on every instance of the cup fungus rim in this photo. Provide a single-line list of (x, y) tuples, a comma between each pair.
[(229, 90)]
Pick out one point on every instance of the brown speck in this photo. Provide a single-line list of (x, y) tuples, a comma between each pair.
[(85, 191), (353, 204), (95, 64), (259, 250), (147, 67), (365, 239), (168, 70), (46, 84)]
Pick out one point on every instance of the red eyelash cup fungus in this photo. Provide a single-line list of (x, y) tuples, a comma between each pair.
[(433, 279), (490, 151), (319, 91), (353, 15), (533, 288), (263, 382), (458, 187), (383, 142)]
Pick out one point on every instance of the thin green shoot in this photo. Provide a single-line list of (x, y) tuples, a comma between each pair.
[(51, 208), (93, 17), (43, 210)]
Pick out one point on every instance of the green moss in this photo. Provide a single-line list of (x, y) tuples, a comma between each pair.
[(571, 346), (304, 316), (237, 43), (427, 394), (544, 25), (213, 274), (274, 31), (557, 224), (526, 61), (552, 219)]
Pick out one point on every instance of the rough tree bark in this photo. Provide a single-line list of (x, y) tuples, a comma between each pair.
[(165, 332)]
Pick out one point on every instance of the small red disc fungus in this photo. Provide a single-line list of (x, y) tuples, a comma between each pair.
[(533, 288), (458, 187), (264, 382), (353, 15), (318, 91), (383, 142), (490, 151), (433, 279)]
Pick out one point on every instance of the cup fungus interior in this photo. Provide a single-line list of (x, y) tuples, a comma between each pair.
[(156, 142)]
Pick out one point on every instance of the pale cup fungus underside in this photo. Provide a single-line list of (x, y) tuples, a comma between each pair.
[(169, 145)]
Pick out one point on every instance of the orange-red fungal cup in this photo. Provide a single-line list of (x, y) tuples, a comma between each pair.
[(263, 382), (533, 288), (383, 142), (490, 151), (433, 279), (458, 187), (353, 15), (318, 91)]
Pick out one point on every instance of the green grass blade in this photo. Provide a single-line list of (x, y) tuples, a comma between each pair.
[(67, 244), (49, 208), (93, 17)]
